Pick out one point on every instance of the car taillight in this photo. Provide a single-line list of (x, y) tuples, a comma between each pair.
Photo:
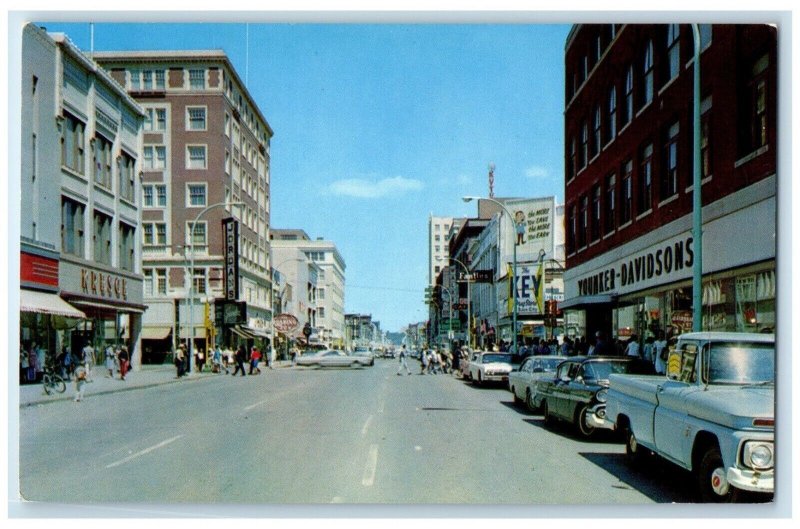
[(764, 422)]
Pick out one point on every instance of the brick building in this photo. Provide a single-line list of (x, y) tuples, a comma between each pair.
[(628, 177), (205, 142)]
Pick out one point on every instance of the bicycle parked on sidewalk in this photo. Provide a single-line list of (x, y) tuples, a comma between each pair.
[(52, 382)]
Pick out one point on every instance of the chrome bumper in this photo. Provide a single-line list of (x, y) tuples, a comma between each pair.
[(596, 417), (752, 480)]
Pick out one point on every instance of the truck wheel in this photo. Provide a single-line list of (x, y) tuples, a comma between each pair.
[(548, 421), (712, 481), (634, 452), (580, 419)]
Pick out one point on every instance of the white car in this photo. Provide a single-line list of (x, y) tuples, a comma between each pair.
[(334, 358), (522, 381), (489, 367)]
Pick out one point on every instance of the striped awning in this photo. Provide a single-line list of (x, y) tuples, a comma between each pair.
[(47, 303), (243, 333)]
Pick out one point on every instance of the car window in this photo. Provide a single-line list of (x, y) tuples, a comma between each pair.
[(563, 371)]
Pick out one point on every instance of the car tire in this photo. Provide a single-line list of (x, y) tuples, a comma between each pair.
[(635, 454), (548, 420), (712, 483), (529, 400), (479, 381), (584, 427)]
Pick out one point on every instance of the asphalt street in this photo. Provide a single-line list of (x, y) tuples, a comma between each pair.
[(307, 436)]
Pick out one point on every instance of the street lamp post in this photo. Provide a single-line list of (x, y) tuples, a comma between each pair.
[(191, 277), (697, 202), (469, 300), (513, 269)]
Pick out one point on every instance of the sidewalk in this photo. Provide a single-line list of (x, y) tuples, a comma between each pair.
[(147, 376)]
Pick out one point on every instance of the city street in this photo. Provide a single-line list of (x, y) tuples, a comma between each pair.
[(321, 436)]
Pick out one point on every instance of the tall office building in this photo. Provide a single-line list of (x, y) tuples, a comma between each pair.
[(206, 143)]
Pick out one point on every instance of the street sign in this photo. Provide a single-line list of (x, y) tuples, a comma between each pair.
[(285, 323), (481, 276)]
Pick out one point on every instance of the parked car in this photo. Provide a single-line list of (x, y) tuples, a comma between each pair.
[(577, 392), (336, 358), (713, 414), (489, 367), (522, 381)]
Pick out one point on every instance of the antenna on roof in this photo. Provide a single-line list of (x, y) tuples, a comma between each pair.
[(491, 179)]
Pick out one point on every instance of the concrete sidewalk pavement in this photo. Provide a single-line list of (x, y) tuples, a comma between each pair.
[(146, 377)]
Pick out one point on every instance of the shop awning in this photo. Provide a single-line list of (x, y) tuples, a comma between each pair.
[(155, 333), (106, 306), (257, 332), (46, 303), (582, 301), (243, 333)]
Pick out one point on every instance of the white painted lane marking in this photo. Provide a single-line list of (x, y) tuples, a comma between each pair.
[(248, 408), (372, 464), (366, 426), (143, 452)]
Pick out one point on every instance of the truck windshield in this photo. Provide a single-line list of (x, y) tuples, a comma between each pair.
[(741, 363)]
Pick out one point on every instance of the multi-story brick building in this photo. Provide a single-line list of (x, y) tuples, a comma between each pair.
[(628, 182), (81, 205), (205, 143)]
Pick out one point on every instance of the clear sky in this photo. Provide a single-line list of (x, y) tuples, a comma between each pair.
[(377, 126)]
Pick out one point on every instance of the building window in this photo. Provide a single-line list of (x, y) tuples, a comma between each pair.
[(757, 88), (611, 127), (197, 79), (627, 115), (572, 162), (196, 194), (155, 119), (227, 125), (674, 50), (596, 194), (200, 280), (102, 238), (705, 35), (195, 157), (127, 176), (597, 138), (155, 157), (669, 183), (147, 79), (155, 278), (136, 82), (584, 144), (647, 71), (611, 205), (126, 246), (72, 227), (154, 234), (147, 196), (73, 148), (196, 118), (572, 226), (102, 161), (160, 80), (626, 203), (646, 180), (584, 227), (199, 238)]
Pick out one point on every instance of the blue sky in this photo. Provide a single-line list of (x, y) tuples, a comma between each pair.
[(378, 126)]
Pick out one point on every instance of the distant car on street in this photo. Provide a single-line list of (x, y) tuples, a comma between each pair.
[(522, 382), (336, 358), (578, 391), (489, 367)]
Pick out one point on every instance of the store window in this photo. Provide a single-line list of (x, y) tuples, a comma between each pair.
[(612, 115), (72, 144), (611, 204), (626, 202), (674, 50), (669, 181), (101, 238), (72, 227), (646, 180)]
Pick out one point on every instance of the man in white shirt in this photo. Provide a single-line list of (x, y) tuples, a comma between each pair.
[(633, 347)]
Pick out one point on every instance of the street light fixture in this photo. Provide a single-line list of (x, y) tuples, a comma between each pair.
[(513, 269), (469, 301), (191, 276)]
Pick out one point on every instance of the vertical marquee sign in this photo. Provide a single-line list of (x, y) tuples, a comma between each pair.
[(230, 230)]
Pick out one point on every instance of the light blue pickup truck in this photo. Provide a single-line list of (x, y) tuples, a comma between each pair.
[(713, 414)]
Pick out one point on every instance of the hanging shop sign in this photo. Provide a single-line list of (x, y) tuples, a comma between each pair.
[(285, 323), (230, 228)]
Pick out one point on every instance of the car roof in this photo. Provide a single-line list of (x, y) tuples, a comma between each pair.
[(720, 336)]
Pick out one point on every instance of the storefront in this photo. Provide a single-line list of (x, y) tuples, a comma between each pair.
[(645, 286), (112, 303)]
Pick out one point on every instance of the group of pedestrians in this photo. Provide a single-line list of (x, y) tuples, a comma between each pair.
[(221, 360), (117, 360)]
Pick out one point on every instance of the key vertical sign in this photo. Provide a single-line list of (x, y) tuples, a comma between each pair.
[(230, 229)]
